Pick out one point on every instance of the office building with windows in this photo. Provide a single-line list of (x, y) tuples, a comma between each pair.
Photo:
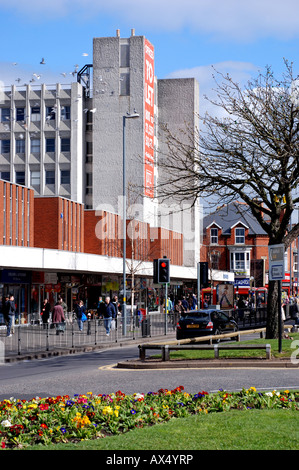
[(64, 144)]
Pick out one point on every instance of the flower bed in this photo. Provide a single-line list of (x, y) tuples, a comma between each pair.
[(66, 419)]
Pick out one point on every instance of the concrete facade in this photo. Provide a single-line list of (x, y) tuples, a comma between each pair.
[(41, 128), (120, 73), (67, 142)]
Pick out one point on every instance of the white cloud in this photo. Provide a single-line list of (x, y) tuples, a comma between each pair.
[(234, 19)]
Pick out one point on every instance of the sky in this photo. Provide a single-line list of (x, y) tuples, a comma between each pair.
[(190, 36)]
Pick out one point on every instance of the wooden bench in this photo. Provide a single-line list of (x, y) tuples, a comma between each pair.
[(166, 348)]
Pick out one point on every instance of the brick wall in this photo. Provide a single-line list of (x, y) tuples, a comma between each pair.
[(59, 224), (17, 215), (103, 236)]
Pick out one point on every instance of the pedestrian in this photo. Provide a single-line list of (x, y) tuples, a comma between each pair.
[(5, 300), (295, 313), (117, 309), (45, 313), (58, 318), (63, 305), (179, 308), (80, 314), (185, 303), (10, 310), (109, 314), (100, 307)]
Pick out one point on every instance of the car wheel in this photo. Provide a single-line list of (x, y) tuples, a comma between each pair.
[(217, 332)]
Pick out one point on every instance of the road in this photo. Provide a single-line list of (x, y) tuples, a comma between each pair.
[(94, 372)]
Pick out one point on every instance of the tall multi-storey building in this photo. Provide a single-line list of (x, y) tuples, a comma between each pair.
[(124, 84), (65, 144)]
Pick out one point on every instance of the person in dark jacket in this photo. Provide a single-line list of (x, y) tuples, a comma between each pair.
[(45, 313), (109, 314), (80, 310), (10, 310)]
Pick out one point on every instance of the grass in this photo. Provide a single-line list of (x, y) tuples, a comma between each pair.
[(287, 350), (233, 430)]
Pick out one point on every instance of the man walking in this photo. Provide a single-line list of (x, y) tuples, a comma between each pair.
[(109, 314), (11, 311)]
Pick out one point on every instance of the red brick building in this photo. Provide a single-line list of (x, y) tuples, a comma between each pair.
[(103, 236), (234, 241), (58, 224), (17, 215)]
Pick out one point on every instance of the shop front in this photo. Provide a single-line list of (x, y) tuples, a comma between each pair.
[(17, 283)]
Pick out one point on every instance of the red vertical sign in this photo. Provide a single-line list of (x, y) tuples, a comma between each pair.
[(149, 119)]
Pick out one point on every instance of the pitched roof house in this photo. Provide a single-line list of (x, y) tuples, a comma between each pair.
[(234, 241)]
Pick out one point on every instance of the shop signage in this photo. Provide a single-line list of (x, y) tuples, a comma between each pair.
[(242, 282), (15, 277)]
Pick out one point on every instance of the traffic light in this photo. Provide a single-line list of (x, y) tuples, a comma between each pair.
[(163, 271), (204, 276)]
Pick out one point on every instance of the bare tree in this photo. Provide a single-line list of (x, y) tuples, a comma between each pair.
[(248, 151)]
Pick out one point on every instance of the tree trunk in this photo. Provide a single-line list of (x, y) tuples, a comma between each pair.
[(272, 311)]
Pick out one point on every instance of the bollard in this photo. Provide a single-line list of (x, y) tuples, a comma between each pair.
[(216, 351), (165, 353), (141, 353)]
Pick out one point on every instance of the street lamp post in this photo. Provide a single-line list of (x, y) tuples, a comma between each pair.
[(124, 306)]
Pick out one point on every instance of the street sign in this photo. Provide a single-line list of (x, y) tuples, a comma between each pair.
[(276, 262)]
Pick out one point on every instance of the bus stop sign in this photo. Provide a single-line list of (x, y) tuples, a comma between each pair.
[(276, 262)]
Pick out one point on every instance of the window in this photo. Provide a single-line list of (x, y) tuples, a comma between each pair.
[(5, 146), (35, 178), (240, 236), (5, 175), (295, 267), (50, 145), (20, 114), (88, 189), (35, 146), (240, 261), (65, 177), (50, 176), (214, 236), (20, 146), (65, 113), (50, 113), (65, 145), (20, 177), (124, 84), (5, 114), (124, 55), (215, 258), (35, 113)]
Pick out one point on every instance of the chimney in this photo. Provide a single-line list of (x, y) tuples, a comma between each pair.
[(132, 32), (118, 33)]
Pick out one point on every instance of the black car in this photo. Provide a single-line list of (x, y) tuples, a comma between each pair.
[(204, 323)]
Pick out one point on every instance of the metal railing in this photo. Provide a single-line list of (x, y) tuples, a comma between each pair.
[(35, 337)]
